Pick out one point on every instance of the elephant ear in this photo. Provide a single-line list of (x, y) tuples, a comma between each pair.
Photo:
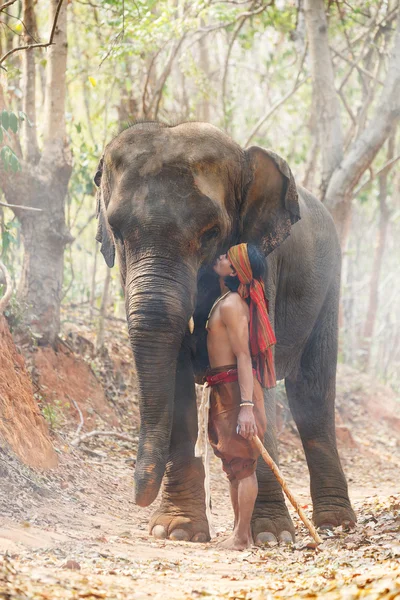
[(271, 203), (104, 234)]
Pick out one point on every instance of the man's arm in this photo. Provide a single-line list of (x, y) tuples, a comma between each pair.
[(234, 317)]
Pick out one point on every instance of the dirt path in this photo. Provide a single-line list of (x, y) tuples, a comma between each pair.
[(87, 520)]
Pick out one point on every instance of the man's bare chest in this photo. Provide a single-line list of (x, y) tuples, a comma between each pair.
[(214, 316)]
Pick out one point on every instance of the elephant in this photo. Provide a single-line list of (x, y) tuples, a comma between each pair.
[(170, 199)]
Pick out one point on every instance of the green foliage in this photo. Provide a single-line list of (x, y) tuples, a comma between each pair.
[(9, 121), (14, 313), (53, 412), (10, 159), (9, 253), (9, 242), (5, 119)]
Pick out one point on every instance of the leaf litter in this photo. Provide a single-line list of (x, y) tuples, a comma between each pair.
[(123, 562)]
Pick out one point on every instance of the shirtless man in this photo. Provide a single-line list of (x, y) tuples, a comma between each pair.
[(239, 338)]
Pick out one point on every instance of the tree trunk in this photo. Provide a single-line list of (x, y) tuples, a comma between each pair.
[(203, 106), (31, 149), (325, 98), (384, 216), (43, 184), (312, 159), (56, 88), (45, 236), (342, 216)]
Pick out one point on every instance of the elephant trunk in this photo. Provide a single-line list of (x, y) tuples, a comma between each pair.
[(159, 303)]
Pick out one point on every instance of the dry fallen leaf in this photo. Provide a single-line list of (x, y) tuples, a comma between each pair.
[(71, 564)]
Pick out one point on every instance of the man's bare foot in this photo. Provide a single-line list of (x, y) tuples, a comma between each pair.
[(234, 542)]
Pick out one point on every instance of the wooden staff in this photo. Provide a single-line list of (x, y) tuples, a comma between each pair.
[(274, 468)]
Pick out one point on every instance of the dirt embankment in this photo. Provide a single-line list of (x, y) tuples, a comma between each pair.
[(69, 388), (22, 427)]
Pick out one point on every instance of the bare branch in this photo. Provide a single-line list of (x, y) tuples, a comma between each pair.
[(4, 24), (271, 111), (6, 4), (23, 23), (158, 93), (20, 206), (149, 72), (204, 31), (9, 288), (245, 15), (44, 45), (228, 55), (389, 17), (351, 8), (81, 420), (356, 66), (114, 43), (366, 146), (82, 229), (345, 33), (382, 171), (347, 107)]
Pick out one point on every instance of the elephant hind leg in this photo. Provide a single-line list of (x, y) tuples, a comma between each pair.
[(311, 394)]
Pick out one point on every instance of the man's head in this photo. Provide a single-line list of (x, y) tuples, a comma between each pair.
[(227, 264)]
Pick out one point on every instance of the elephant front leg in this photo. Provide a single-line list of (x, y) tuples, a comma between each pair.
[(182, 515), (271, 521)]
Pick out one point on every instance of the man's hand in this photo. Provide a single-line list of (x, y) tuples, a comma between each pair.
[(246, 423)]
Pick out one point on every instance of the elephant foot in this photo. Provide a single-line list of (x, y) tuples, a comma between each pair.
[(272, 524), (331, 516), (174, 523)]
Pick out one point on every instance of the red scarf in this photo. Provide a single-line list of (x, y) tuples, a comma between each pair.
[(262, 336)]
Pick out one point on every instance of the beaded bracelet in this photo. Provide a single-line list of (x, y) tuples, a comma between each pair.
[(246, 403)]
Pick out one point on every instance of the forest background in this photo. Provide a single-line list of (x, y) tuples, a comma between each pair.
[(317, 82)]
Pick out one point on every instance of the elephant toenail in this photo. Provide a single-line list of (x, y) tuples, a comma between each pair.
[(159, 532), (285, 537), (326, 526), (200, 538), (179, 535), (266, 537)]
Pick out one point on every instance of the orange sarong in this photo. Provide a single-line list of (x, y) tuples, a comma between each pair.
[(239, 456)]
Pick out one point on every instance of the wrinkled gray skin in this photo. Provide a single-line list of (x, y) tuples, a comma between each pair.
[(170, 200)]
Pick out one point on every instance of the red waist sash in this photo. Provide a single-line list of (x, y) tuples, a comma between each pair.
[(224, 377)]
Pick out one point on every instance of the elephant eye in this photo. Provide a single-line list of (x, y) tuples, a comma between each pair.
[(210, 235), (117, 234)]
